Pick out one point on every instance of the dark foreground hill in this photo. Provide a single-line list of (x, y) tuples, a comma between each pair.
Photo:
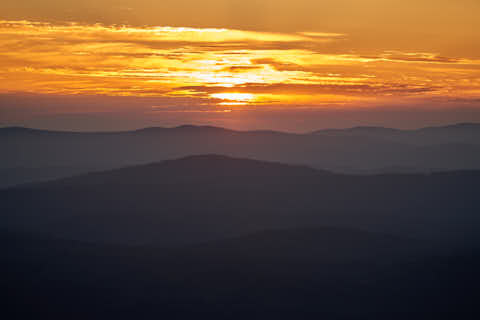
[(203, 198), (311, 273), (35, 155), (213, 237)]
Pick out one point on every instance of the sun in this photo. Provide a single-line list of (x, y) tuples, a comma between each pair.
[(234, 98)]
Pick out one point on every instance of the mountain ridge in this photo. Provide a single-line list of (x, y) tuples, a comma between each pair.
[(363, 151), (206, 197), (222, 164), (218, 161), (286, 275), (459, 125)]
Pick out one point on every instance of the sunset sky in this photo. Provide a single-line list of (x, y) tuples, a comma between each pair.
[(244, 64)]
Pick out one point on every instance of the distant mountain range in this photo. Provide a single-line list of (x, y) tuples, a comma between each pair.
[(216, 237), (201, 198), (34, 155)]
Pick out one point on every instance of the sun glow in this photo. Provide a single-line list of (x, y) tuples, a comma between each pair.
[(207, 66), (234, 98)]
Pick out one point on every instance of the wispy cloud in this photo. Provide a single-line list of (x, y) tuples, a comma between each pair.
[(175, 63)]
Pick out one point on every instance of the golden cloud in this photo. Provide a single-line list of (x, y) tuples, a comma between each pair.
[(218, 65)]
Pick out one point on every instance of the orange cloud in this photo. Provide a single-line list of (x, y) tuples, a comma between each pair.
[(182, 62)]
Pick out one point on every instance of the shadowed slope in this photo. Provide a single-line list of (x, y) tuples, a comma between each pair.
[(356, 150), (208, 197), (307, 273)]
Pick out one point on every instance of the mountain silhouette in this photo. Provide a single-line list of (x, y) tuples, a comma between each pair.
[(287, 273), (202, 198), (216, 237), (32, 155)]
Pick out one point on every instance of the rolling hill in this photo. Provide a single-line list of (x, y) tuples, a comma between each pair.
[(215, 237), (32, 155), (306, 273), (202, 198)]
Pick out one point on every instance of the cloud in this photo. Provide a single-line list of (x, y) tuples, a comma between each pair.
[(417, 57), (278, 65), (240, 68), (167, 62), (315, 89)]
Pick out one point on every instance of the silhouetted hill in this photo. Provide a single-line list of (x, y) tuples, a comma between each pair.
[(192, 169), (462, 133), (21, 175), (361, 130), (356, 150), (201, 198), (215, 237), (299, 273)]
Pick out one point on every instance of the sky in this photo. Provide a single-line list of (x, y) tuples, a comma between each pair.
[(265, 64)]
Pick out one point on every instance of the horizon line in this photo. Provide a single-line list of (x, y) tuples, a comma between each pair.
[(206, 126)]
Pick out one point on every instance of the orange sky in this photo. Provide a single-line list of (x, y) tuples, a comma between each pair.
[(229, 56)]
